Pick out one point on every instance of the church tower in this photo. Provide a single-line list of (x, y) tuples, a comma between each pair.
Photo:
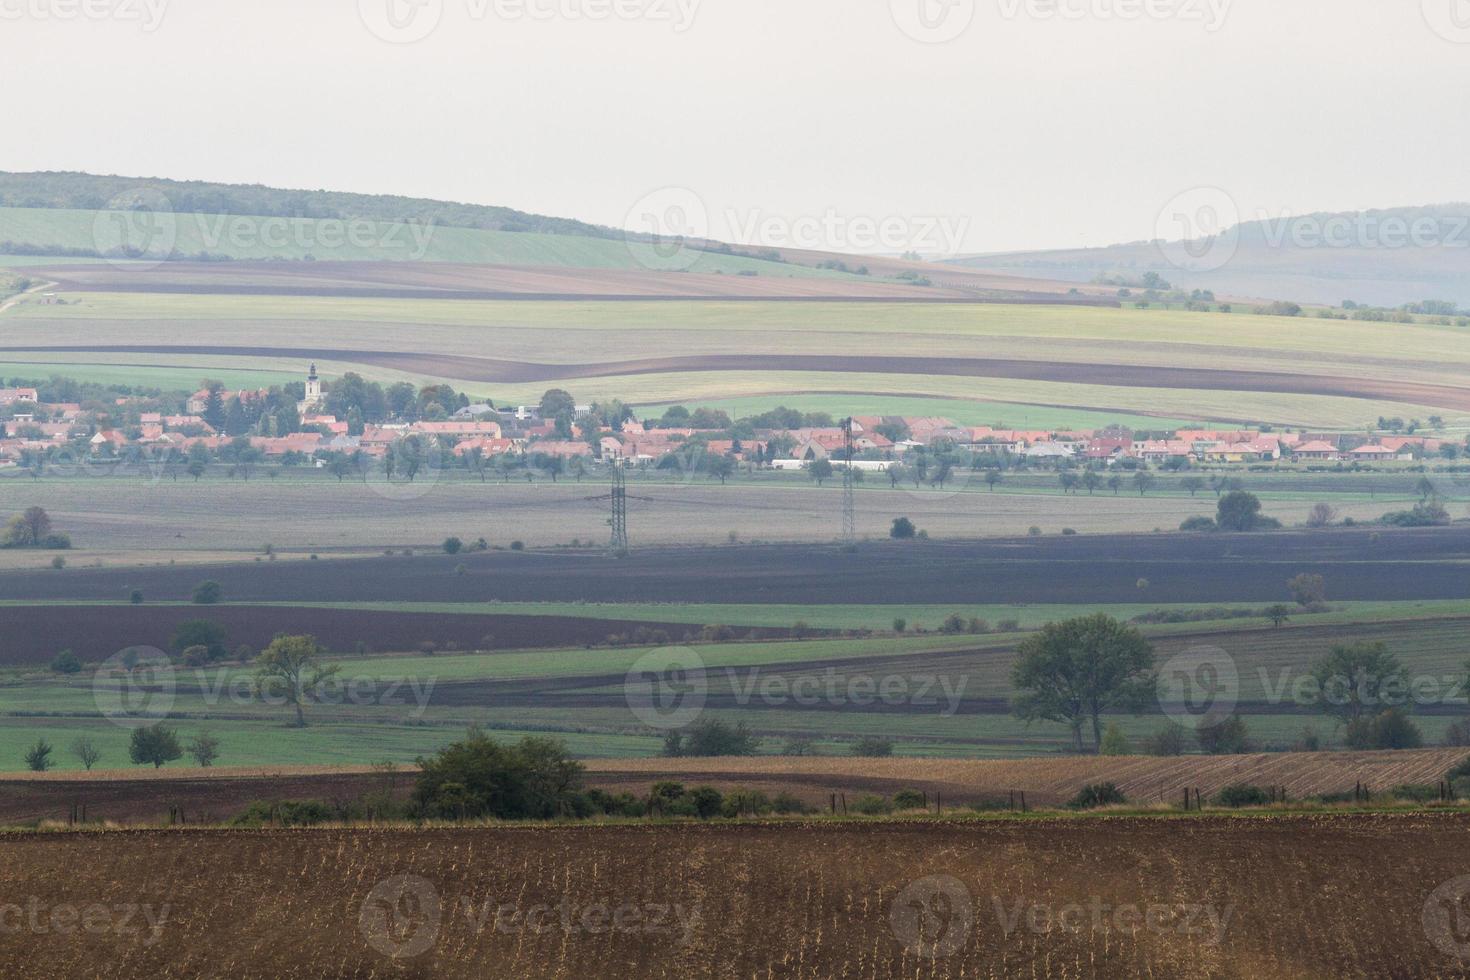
[(313, 397)]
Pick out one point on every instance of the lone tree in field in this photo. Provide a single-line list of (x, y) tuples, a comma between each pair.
[(902, 529), (86, 751), (1308, 590), (29, 529), (1075, 671), (38, 756), (1238, 511), (820, 470), (204, 748), (207, 593), (156, 744), (1359, 680), (1278, 614), (289, 669)]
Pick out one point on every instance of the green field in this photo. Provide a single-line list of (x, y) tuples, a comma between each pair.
[(409, 705), (609, 332)]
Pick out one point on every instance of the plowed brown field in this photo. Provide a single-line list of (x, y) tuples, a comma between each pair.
[(1258, 897)]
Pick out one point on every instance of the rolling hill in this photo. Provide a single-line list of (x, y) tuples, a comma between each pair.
[(1382, 258)]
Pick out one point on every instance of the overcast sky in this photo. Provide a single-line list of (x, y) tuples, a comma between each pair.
[(1035, 125)]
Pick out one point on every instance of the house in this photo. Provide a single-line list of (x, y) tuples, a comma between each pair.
[(9, 396), (1317, 449), (1373, 454)]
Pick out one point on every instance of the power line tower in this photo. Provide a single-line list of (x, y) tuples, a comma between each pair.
[(849, 504), (619, 519)]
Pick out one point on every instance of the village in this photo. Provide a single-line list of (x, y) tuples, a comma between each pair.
[(296, 426)]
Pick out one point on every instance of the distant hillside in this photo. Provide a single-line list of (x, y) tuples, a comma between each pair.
[(1383, 258), (89, 192)]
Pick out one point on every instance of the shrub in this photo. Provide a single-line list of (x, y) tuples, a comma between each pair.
[(1096, 795), (785, 803), (873, 747), (66, 662), (1114, 742), (710, 737), (518, 546), (58, 563), (1241, 794), (533, 779), (900, 624), (286, 813), (207, 593), (1416, 792), (706, 801), (195, 656), (1390, 730), (910, 799), (1228, 737), (136, 598), (1167, 741), (746, 802), (453, 546), (1198, 523), (38, 756), (200, 632), (870, 805), (902, 529)]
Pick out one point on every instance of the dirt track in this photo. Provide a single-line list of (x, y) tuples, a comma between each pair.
[(484, 369)]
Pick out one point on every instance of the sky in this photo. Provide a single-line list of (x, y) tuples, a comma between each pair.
[(857, 125)]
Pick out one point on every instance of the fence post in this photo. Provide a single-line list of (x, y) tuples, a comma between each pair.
[(1186, 799), (1023, 801)]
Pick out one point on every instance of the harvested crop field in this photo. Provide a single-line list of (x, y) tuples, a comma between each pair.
[(1176, 568), (147, 795), (1110, 897), (490, 370), (1143, 779), (33, 634)]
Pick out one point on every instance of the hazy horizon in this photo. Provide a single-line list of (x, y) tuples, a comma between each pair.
[(816, 126)]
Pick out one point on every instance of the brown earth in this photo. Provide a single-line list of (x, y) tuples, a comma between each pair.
[(1264, 897), (486, 369), (1357, 563)]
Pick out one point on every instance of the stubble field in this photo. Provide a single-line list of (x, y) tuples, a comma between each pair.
[(1110, 897)]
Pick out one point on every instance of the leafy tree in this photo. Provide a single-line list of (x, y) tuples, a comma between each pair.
[(1143, 481), (201, 633), (156, 743), (453, 546), (1238, 511), (992, 477), (28, 529), (1321, 515), (204, 748), (1079, 669), (38, 756), (1193, 484), (1114, 742), (478, 777), (86, 751), (291, 668), (721, 467), (1391, 729), (1170, 740), (873, 747), (820, 470), (710, 737), (1278, 613), (1229, 737), (1357, 680), (1307, 589), (207, 593), (66, 662), (902, 529)]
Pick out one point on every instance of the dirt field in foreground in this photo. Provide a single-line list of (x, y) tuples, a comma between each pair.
[(1259, 897)]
